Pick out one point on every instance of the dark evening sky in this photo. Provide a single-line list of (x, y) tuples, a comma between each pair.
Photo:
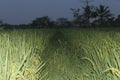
[(23, 11)]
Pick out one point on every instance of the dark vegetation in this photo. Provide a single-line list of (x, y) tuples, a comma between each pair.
[(90, 17)]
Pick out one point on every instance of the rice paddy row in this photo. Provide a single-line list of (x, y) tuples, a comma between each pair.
[(60, 54)]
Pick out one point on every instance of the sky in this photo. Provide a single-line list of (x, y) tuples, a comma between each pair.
[(24, 11)]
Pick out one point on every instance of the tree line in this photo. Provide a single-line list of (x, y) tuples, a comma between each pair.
[(90, 16)]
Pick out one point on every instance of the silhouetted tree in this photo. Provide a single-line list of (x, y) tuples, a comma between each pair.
[(88, 11), (78, 18), (63, 22), (1, 25), (84, 18), (94, 17), (103, 14), (76, 12), (1, 22), (111, 22), (117, 21), (41, 22)]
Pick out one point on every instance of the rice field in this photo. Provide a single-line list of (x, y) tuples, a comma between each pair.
[(60, 54)]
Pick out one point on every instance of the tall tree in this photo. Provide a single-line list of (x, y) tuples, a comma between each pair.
[(103, 14), (78, 17), (88, 12)]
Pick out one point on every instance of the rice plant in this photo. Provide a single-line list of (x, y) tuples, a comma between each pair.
[(60, 54), (19, 56)]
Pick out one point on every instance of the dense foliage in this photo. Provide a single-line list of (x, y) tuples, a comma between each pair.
[(60, 54)]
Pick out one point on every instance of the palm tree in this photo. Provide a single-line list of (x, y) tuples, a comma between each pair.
[(103, 13)]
